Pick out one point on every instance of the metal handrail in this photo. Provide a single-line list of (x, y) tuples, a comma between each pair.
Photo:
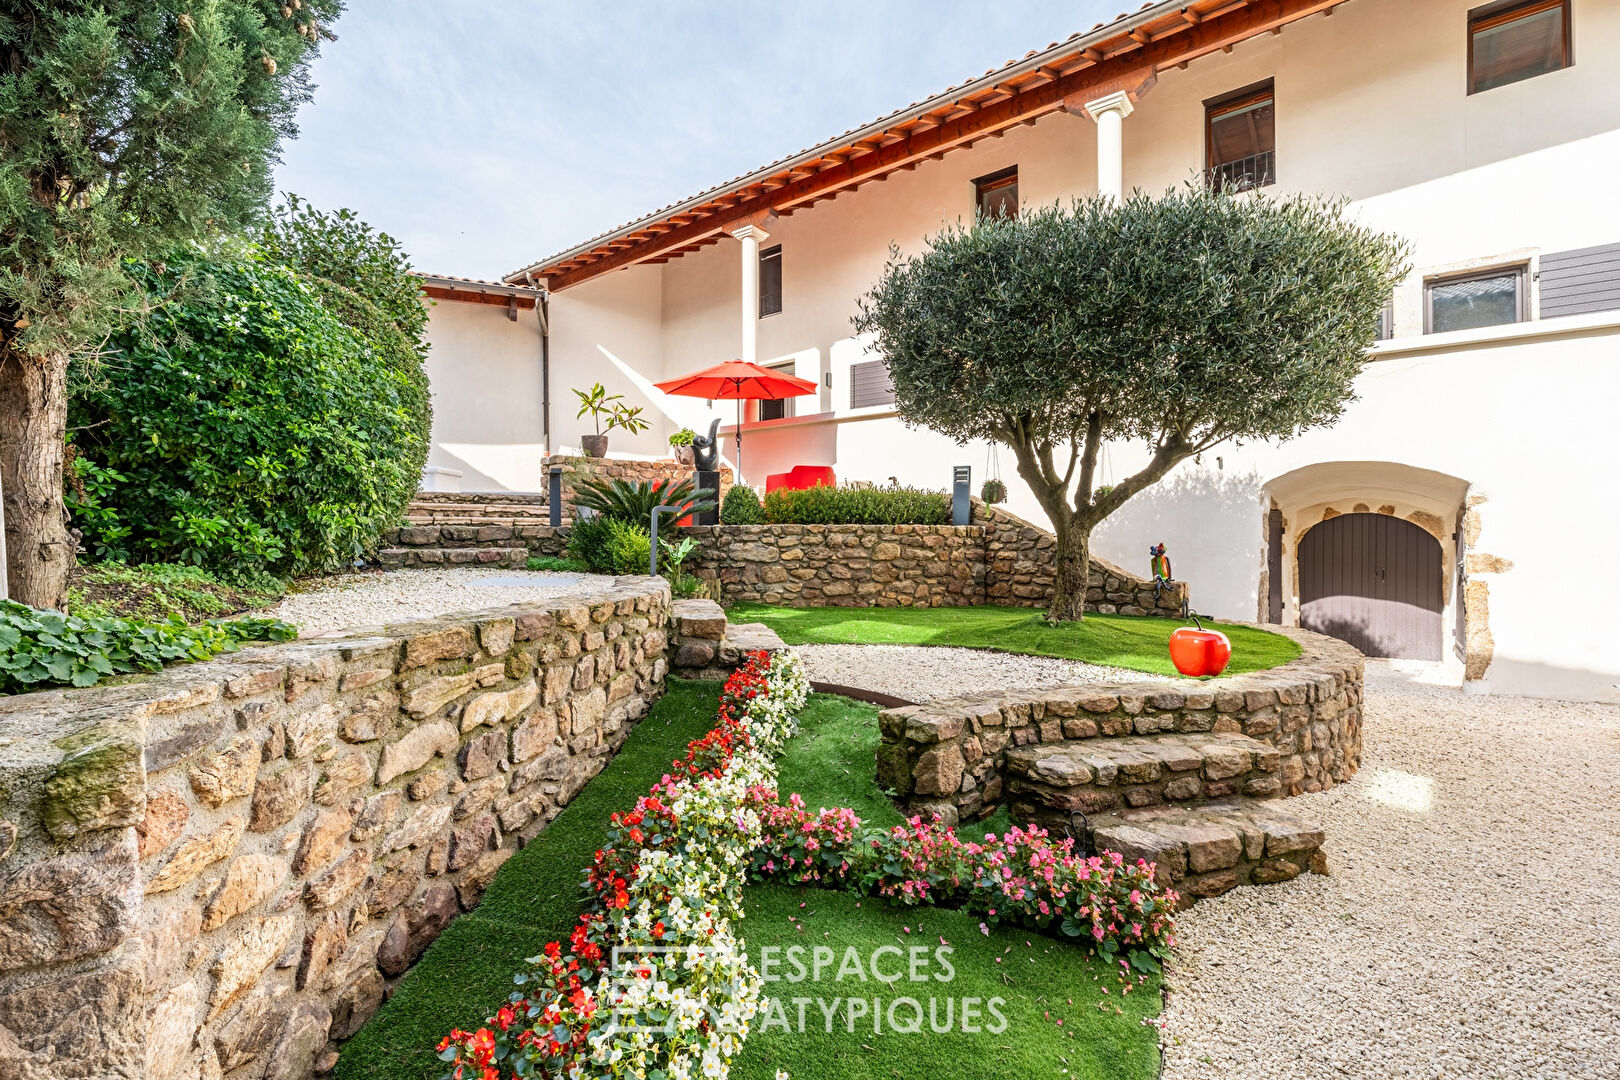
[(1253, 171)]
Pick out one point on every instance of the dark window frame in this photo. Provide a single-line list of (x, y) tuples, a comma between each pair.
[(785, 405), (995, 181), (1507, 11), (1519, 271), (770, 256), (1225, 104)]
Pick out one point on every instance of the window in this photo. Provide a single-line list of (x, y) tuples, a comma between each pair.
[(1516, 40), (869, 385), (1241, 138), (770, 281), (1468, 301), (1386, 321), (997, 194), (781, 408)]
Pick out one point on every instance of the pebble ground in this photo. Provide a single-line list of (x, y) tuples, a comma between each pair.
[(378, 598), (1470, 927)]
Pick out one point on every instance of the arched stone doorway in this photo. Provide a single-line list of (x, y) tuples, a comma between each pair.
[(1374, 581), (1434, 503)]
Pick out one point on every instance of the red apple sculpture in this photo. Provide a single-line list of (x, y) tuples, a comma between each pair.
[(1199, 652)]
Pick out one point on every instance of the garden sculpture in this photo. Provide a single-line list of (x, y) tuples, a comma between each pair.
[(706, 449), (1161, 568)]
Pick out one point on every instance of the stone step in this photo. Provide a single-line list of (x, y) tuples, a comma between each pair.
[(512, 558), (1203, 851), (1046, 781)]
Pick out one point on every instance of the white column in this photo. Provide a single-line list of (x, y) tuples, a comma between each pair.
[(750, 235), (1110, 112)]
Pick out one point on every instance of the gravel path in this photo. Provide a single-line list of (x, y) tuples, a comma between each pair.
[(1468, 929), (372, 599), (924, 672)]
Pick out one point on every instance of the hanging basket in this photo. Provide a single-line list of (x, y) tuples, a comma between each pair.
[(993, 492)]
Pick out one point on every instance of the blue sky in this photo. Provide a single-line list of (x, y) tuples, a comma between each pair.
[(485, 135)]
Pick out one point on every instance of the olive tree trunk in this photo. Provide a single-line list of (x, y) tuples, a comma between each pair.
[(33, 424), (1071, 572)]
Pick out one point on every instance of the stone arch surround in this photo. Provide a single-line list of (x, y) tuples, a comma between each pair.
[(951, 756)]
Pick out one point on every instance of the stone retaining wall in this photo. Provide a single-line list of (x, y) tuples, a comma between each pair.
[(218, 871), (950, 756), (1000, 559)]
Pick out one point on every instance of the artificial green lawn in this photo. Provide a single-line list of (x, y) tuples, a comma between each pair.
[(1127, 641), (536, 898)]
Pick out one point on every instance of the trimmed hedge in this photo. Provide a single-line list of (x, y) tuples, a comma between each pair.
[(827, 505)]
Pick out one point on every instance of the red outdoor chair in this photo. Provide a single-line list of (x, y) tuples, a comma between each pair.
[(801, 477)]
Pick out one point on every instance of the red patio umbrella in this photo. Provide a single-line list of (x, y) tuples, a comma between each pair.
[(742, 381)]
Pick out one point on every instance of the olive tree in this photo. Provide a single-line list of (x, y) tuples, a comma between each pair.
[(128, 127), (1178, 322)]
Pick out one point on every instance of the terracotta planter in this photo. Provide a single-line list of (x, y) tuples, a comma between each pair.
[(683, 455), (594, 445)]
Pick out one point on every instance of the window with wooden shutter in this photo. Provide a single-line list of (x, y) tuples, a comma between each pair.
[(1240, 137), (1581, 281), (1516, 40), (869, 385), (996, 195)]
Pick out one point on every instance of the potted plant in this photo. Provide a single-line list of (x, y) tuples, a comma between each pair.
[(607, 412), (680, 444), (993, 492)]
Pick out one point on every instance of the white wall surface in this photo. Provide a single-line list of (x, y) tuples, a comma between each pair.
[(492, 436)]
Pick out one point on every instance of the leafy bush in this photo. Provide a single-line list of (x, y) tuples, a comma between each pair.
[(634, 500), (556, 565), (741, 507), (828, 505), (610, 545), (245, 427), (160, 590), (683, 437), (41, 648)]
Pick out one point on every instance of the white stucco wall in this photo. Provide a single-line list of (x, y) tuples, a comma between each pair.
[(492, 439)]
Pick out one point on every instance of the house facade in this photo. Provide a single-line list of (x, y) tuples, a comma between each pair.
[(1460, 509)]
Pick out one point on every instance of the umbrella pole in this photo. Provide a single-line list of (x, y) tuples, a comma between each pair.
[(739, 441)]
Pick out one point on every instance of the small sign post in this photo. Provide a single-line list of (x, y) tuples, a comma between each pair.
[(961, 495)]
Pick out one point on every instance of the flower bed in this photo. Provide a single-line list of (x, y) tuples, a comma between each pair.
[(653, 982)]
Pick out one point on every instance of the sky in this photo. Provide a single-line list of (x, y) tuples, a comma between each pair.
[(487, 134)]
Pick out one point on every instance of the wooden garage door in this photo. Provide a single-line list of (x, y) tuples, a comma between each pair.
[(1374, 581)]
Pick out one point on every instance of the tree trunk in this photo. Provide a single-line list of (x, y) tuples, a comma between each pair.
[(33, 423), (1071, 572)]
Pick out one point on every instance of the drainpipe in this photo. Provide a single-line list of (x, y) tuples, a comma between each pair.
[(542, 312)]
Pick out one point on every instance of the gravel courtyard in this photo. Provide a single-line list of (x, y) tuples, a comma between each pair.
[(1469, 926), (378, 598)]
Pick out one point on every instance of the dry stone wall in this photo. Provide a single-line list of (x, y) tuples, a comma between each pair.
[(962, 757), (219, 871), (999, 559)]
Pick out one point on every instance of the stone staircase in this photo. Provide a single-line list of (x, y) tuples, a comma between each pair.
[(478, 508), (1044, 783), (706, 646), (1189, 775), (1204, 851)]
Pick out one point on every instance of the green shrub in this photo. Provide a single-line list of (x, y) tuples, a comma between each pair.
[(828, 505), (741, 507), (160, 590), (609, 545), (556, 565), (634, 500), (41, 648), (245, 427)]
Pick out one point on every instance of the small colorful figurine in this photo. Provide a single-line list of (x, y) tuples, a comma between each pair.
[(1161, 567)]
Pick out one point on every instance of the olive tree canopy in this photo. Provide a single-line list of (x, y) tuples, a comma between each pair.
[(1180, 321)]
